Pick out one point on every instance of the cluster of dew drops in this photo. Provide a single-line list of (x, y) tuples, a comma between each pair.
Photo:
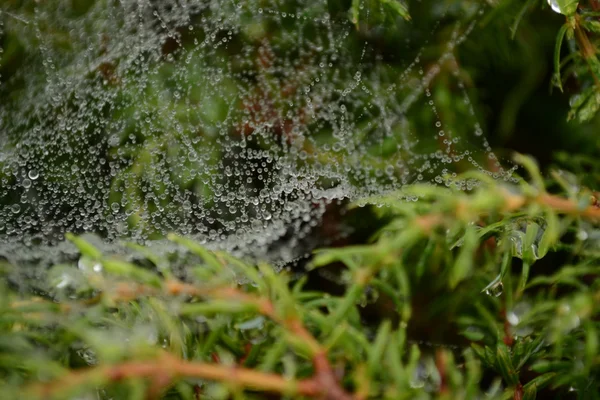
[(235, 122)]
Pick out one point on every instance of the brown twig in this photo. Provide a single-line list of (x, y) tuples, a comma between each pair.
[(441, 364), (588, 51), (561, 205), (167, 368), (507, 338), (566, 206), (518, 394)]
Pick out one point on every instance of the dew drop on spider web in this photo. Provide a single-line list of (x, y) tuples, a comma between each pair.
[(235, 123)]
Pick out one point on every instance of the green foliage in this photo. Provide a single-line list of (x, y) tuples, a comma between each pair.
[(471, 289), (458, 280), (397, 7), (580, 28), (565, 7)]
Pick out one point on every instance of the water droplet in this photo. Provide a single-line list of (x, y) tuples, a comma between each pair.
[(64, 281), (33, 174), (512, 318), (87, 264), (556, 7), (196, 142), (495, 287), (582, 235)]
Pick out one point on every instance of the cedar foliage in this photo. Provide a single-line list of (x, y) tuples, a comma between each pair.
[(490, 292)]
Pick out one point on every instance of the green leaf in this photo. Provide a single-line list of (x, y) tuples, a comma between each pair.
[(532, 168), (557, 48), (544, 366), (396, 6), (541, 381), (591, 347), (159, 261), (529, 392), (481, 353), (397, 369), (591, 25), (565, 7), (85, 248), (525, 349), (472, 335), (505, 365), (530, 242), (348, 302), (217, 307), (197, 249), (519, 17), (354, 11), (249, 271), (425, 258), (551, 234), (589, 109), (463, 265), (378, 348), (125, 269), (399, 7)]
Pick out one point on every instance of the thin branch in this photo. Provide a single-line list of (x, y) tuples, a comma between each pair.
[(166, 369), (512, 202)]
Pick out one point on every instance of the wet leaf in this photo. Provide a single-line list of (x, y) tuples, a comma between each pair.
[(505, 365), (463, 265), (565, 7), (557, 49), (86, 248)]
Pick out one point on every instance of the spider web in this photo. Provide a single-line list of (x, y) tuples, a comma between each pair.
[(236, 123)]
